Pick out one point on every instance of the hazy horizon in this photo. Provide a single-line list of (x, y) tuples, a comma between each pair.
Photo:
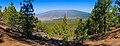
[(41, 6)]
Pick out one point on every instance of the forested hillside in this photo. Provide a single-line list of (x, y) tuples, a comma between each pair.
[(101, 28)]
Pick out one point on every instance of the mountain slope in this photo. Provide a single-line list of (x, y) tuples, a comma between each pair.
[(111, 38), (56, 14)]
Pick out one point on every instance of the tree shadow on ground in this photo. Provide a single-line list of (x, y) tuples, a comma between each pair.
[(1, 35), (34, 39), (1, 41)]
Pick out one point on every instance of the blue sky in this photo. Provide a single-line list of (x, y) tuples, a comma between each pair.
[(47, 5)]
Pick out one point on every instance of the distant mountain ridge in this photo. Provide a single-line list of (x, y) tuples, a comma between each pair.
[(56, 14)]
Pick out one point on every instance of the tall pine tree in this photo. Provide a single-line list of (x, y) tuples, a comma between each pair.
[(81, 31), (67, 33), (13, 15), (5, 15), (112, 19), (98, 18), (10, 16), (27, 17), (118, 5)]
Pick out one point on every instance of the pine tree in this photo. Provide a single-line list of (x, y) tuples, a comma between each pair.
[(81, 31), (98, 18), (65, 20), (118, 4), (12, 16), (27, 17), (54, 31), (66, 29), (112, 19), (5, 15), (90, 24)]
